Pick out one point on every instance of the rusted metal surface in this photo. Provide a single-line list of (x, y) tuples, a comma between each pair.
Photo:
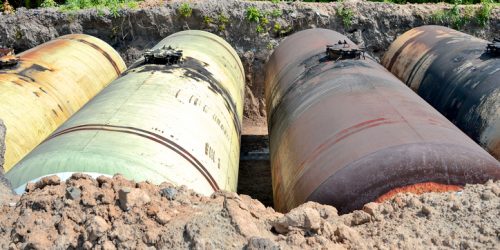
[(42, 87), (346, 132), (7, 58), (457, 74), (419, 188)]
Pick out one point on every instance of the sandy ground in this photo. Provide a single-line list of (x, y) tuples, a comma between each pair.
[(110, 213)]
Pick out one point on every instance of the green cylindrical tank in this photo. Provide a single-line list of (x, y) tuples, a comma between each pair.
[(162, 120)]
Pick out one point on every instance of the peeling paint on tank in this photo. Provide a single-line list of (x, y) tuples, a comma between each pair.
[(460, 69), (61, 74), (489, 109)]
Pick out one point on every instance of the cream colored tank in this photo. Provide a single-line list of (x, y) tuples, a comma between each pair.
[(48, 85), (179, 123)]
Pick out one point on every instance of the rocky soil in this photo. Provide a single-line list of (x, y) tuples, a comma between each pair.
[(130, 31), (109, 213)]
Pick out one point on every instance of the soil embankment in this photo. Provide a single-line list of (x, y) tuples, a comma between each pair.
[(114, 212)]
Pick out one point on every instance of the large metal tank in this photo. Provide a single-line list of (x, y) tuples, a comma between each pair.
[(346, 132), (163, 120), (456, 74), (42, 87)]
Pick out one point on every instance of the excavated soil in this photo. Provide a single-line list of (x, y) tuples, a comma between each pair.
[(110, 213)]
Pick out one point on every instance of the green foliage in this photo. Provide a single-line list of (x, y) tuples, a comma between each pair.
[(277, 27), (276, 13), (48, 4), (266, 20), (458, 17), (208, 20), (259, 29), (484, 13), (114, 6), (222, 20), (346, 14), (185, 10), (253, 14)]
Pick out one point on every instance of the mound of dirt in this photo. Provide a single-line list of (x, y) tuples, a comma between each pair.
[(109, 213)]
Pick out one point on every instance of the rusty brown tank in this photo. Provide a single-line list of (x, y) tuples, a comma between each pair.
[(346, 132), (457, 74)]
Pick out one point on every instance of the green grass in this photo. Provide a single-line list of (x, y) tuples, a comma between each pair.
[(458, 16), (114, 6), (185, 10), (346, 14)]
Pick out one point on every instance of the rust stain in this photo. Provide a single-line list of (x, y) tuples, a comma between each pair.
[(420, 188)]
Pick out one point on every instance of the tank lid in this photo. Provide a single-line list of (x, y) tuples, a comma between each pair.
[(342, 50), (165, 56), (494, 47), (7, 58)]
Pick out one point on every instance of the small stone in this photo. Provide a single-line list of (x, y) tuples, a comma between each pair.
[(30, 187), (302, 217), (108, 245), (360, 217), (77, 176), (73, 193), (295, 239), (257, 243), (387, 208), (487, 195), (97, 228), (415, 203), (163, 218), (150, 237), (496, 190), (456, 206), (370, 208), (87, 245), (104, 179), (169, 193), (12, 204), (68, 202), (427, 210), (48, 181), (132, 197), (345, 233)]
